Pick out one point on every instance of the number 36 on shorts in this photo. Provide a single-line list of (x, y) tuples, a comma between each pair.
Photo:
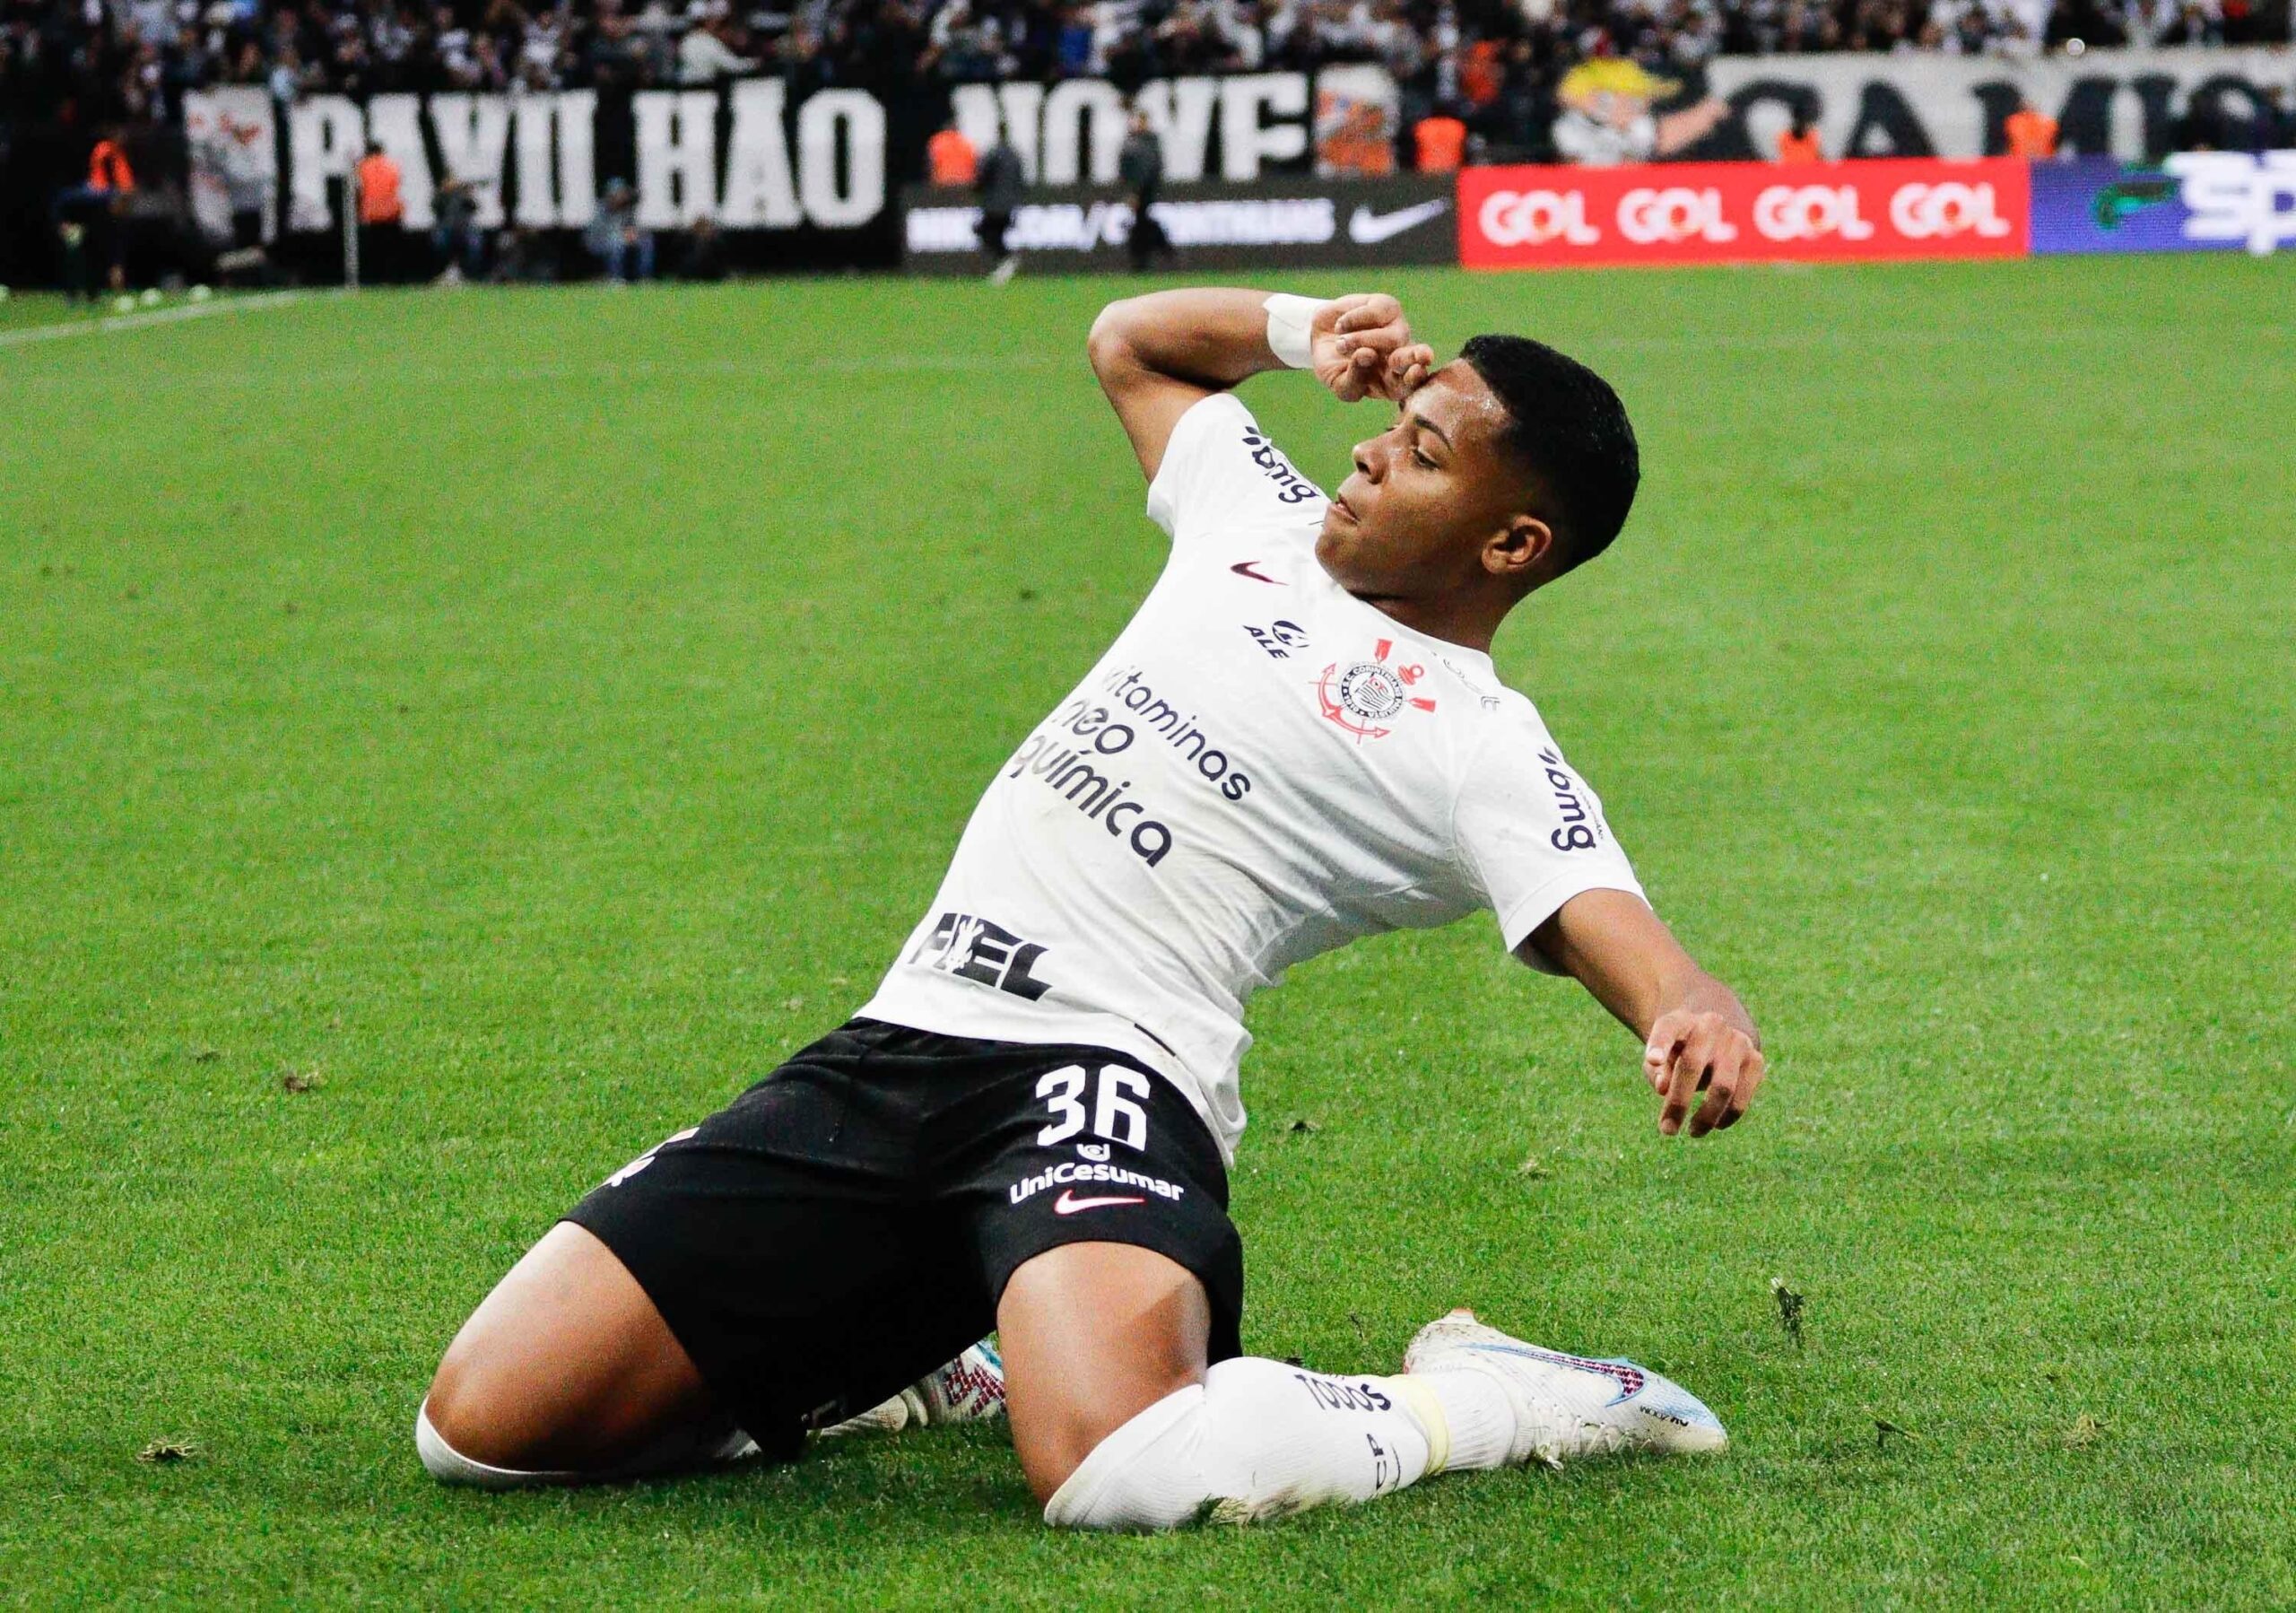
[(1115, 1114)]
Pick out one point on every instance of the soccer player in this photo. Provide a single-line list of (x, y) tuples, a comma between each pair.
[(1300, 740)]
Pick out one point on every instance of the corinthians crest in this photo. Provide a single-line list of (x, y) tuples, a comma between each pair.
[(1367, 695)]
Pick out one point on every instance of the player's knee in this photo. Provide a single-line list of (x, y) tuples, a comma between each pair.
[(1049, 1455), (1147, 1475), (466, 1419), (1256, 1439), (1054, 1442)]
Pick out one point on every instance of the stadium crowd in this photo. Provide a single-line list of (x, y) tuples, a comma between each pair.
[(96, 87), (131, 59)]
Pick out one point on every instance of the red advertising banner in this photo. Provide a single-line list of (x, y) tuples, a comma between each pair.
[(1677, 212)]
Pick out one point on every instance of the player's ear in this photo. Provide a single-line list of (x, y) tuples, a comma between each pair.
[(1518, 552)]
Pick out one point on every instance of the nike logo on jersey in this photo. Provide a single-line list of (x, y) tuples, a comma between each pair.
[(1068, 1203), (1366, 228), (1243, 568)]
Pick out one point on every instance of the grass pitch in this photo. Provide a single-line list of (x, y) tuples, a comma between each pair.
[(523, 718)]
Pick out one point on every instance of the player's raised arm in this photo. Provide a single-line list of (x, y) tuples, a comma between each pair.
[(1698, 1037), (1158, 355)]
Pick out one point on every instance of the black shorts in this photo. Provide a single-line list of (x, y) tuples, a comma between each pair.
[(848, 1224)]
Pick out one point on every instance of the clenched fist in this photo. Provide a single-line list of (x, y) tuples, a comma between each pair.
[(1363, 348)]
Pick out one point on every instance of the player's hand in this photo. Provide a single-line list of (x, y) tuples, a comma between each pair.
[(1697, 1050), (1363, 348)]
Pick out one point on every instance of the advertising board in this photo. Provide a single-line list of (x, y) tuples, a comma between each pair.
[(1689, 212), (2192, 202), (1297, 222)]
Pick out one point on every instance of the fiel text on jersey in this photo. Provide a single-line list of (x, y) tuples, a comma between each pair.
[(979, 950)]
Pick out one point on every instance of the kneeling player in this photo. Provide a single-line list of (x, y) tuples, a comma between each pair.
[(1300, 740)]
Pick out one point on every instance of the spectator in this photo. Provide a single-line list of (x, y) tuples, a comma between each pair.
[(381, 212), (703, 54), (949, 160), (522, 256), (456, 238), (1140, 164), (705, 253), (109, 174), (2030, 133), (2274, 126), (624, 251), (1800, 143), (1439, 143), (95, 215), (1001, 183)]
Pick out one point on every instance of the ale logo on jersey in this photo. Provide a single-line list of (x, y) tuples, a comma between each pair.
[(1367, 695)]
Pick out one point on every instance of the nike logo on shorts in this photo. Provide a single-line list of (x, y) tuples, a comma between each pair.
[(1068, 1203)]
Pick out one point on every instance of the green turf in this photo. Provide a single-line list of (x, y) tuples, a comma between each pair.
[(531, 714)]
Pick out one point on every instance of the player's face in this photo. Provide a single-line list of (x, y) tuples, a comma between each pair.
[(1427, 494)]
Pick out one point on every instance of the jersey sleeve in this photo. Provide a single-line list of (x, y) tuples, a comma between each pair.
[(1530, 832), (1221, 472)]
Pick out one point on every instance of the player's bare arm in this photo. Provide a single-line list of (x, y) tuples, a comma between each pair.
[(1158, 356), (1697, 1035)]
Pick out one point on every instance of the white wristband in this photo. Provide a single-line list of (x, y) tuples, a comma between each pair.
[(1289, 319)]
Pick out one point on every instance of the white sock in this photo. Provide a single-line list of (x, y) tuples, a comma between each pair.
[(450, 1466), (1478, 1416), (679, 1452), (1258, 1439)]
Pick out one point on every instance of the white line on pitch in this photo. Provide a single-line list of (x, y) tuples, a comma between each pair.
[(140, 321)]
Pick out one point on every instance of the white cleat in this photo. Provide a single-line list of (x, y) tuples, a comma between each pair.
[(1569, 1406), (966, 1390)]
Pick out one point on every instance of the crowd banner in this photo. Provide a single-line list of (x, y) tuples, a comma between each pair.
[(2119, 103), (231, 144), (1359, 114), (1693, 213), (744, 157), (1300, 222), (1231, 128), (748, 156), (2194, 201)]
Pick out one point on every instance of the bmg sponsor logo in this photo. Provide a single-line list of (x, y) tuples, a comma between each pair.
[(1290, 486), (1580, 828)]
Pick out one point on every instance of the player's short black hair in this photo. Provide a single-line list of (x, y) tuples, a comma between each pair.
[(1569, 429)]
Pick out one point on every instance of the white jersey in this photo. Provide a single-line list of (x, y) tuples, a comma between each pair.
[(1261, 769)]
